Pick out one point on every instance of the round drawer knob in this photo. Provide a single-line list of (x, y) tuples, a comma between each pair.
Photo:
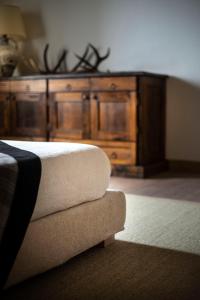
[(113, 86), (27, 87), (85, 97), (113, 155), (68, 87)]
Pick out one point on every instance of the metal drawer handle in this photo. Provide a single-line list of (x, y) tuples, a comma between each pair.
[(113, 155), (113, 86)]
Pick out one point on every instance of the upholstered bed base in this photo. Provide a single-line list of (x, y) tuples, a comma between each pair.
[(52, 240)]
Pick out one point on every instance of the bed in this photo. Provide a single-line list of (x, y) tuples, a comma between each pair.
[(74, 209)]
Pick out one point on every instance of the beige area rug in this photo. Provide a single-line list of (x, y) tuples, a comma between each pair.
[(166, 223), (156, 257)]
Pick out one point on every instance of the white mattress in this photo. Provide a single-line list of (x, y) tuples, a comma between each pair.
[(71, 174)]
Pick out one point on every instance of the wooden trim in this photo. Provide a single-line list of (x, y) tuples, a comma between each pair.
[(83, 75), (184, 166), (24, 138), (103, 143), (139, 171)]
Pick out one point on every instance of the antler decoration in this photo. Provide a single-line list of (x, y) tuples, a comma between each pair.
[(46, 64), (84, 64), (81, 60)]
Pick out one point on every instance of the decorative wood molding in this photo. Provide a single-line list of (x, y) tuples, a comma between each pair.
[(184, 166)]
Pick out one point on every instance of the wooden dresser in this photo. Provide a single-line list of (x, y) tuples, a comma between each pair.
[(123, 113)]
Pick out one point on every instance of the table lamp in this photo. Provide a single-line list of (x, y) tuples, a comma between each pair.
[(12, 31)]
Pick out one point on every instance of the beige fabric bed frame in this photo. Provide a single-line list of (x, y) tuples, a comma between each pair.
[(53, 239)]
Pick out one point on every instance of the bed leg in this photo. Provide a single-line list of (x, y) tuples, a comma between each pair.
[(107, 242)]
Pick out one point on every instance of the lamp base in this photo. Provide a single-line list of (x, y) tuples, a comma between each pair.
[(7, 70), (8, 58)]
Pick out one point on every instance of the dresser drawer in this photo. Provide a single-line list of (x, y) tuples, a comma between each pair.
[(18, 86), (113, 83), (68, 85), (4, 86), (28, 97), (121, 156)]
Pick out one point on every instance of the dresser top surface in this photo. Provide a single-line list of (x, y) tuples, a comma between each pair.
[(84, 75)]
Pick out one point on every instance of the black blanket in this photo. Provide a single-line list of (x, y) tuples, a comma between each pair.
[(20, 173)]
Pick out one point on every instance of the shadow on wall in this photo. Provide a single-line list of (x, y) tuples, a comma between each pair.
[(34, 25), (183, 126), (35, 30), (183, 87)]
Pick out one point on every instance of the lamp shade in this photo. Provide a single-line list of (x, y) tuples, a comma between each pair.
[(11, 22)]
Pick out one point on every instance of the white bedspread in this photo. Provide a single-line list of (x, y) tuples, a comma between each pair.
[(71, 174)]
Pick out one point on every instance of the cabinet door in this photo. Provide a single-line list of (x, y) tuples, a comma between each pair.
[(69, 115), (28, 115), (4, 114), (113, 116)]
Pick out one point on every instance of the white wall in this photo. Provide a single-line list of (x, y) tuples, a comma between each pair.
[(152, 35)]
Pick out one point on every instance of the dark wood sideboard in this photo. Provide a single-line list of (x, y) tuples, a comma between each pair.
[(123, 113)]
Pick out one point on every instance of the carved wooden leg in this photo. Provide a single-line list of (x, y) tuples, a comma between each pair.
[(107, 242)]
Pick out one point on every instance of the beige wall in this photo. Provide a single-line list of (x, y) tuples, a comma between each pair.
[(152, 35)]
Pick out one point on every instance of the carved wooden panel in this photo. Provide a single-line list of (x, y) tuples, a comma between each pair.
[(113, 116), (4, 114), (69, 115), (28, 115)]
